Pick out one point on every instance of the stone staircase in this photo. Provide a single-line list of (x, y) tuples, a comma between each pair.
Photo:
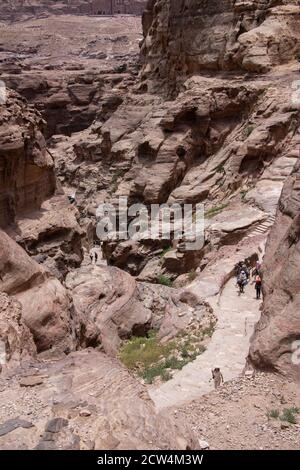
[(263, 227)]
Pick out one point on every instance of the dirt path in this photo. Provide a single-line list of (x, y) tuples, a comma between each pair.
[(227, 349)]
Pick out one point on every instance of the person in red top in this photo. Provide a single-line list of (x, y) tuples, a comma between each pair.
[(258, 285)]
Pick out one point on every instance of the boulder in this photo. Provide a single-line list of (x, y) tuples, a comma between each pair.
[(106, 306), (44, 300), (47, 313)]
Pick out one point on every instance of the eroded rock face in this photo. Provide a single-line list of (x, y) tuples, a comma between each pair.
[(51, 235), (45, 302), (69, 88), (32, 209), (228, 140), (16, 342), (26, 168), (249, 35), (274, 343), (218, 136)]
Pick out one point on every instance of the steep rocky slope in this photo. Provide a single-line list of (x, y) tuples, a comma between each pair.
[(247, 37), (85, 401)]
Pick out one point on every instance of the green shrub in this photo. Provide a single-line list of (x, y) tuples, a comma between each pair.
[(192, 275), (185, 352), (201, 349), (288, 415), (209, 331), (215, 211), (149, 359), (164, 280), (248, 131), (174, 363), (149, 374), (220, 168), (141, 352), (273, 414)]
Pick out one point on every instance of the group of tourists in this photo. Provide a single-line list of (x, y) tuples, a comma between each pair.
[(244, 272)]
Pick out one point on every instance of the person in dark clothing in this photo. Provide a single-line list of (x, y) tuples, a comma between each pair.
[(258, 286), (238, 269), (246, 270)]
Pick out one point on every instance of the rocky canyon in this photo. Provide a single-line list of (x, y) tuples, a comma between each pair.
[(109, 343)]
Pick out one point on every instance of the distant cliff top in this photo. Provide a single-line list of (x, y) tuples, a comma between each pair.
[(12, 10)]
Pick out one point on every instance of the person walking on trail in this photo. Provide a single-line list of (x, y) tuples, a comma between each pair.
[(258, 285), (72, 198), (246, 271), (217, 377), (242, 281), (238, 269), (257, 270), (94, 255)]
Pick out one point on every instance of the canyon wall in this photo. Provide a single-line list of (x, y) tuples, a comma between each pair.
[(26, 168), (187, 37), (275, 345)]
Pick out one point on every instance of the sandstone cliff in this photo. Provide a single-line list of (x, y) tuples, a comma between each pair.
[(185, 38), (274, 345), (26, 168)]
